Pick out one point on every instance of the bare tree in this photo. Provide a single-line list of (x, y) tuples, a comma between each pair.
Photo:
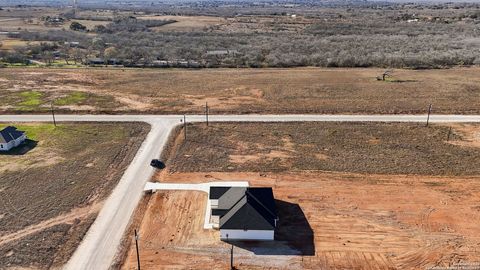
[(386, 74), (65, 51)]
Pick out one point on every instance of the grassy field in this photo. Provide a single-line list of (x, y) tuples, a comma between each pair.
[(10, 44), (53, 187), (186, 23), (374, 148), (297, 90)]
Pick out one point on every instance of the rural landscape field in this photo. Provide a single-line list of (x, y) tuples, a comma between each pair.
[(53, 188), (239, 91), (245, 134)]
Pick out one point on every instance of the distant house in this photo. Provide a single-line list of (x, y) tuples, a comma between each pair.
[(73, 44), (10, 137), (243, 213), (222, 53), (96, 61)]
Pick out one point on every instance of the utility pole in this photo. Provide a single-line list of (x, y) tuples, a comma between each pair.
[(429, 111), (136, 245), (53, 114), (206, 111), (231, 256), (231, 259), (449, 132), (185, 126)]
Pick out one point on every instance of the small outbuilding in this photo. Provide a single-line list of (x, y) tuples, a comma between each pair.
[(10, 137), (243, 213)]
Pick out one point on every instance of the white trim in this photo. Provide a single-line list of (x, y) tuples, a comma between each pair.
[(247, 234)]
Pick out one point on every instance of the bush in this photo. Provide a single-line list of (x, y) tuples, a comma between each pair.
[(76, 26)]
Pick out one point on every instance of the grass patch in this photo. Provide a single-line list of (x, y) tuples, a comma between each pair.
[(71, 98), (30, 100)]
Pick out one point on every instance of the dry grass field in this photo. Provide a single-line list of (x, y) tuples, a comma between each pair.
[(185, 23), (297, 90), (52, 189), (379, 148), (11, 44), (366, 201)]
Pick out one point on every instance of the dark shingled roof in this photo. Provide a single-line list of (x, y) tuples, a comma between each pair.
[(247, 209), (231, 197), (217, 192), (9, 134)]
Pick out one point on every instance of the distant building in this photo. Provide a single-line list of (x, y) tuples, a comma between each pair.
[(10, 137), (73, 44), (243, 213), (96, 61), (222, 53)]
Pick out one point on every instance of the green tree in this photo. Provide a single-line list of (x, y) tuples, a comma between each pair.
[(76, 26)]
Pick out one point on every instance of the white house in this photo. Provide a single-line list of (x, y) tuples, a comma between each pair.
[(243, 213), (10, 137)]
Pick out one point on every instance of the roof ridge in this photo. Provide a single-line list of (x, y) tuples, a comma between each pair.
[(233, 206), (259, 202)]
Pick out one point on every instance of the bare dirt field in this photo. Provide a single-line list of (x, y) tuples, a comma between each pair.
[(330, 217), (328, 221), (295, 90), (52, 189)]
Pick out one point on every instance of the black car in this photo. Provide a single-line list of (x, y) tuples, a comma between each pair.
[(157, 164)]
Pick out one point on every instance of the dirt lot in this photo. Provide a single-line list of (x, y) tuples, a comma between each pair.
[(330, 217), (298, 90), (53, 188), (328, 221)]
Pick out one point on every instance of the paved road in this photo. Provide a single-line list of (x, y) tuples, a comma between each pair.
[(100, 245)]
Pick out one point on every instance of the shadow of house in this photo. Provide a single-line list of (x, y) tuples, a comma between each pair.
[(22, 149), (293, 235)]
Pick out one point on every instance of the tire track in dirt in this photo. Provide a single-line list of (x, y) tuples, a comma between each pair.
[(70, 217)]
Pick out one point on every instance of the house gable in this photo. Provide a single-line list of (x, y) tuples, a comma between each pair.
[(9, 134), (241, 208)]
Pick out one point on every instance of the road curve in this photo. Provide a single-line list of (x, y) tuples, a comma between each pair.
[(100, 244)]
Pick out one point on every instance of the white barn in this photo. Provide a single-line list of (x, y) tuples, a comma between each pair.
[(243, 213), (10, 137)]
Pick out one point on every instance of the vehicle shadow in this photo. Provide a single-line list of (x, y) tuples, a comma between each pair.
[(22, 149), (293, 235)]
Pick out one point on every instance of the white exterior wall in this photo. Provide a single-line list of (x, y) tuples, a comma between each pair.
[(214, 203), (247, 235), (4, 147), (215, 220), (8, 146), (12, 144)]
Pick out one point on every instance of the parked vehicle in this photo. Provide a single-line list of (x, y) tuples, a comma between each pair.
[(156, 163)]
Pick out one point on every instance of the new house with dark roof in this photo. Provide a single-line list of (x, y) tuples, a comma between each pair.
[(243, 213), (10, 137)]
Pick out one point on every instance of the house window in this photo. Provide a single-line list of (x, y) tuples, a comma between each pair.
[(1, 146)]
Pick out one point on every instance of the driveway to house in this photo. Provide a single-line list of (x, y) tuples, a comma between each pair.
[(99, 246)]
